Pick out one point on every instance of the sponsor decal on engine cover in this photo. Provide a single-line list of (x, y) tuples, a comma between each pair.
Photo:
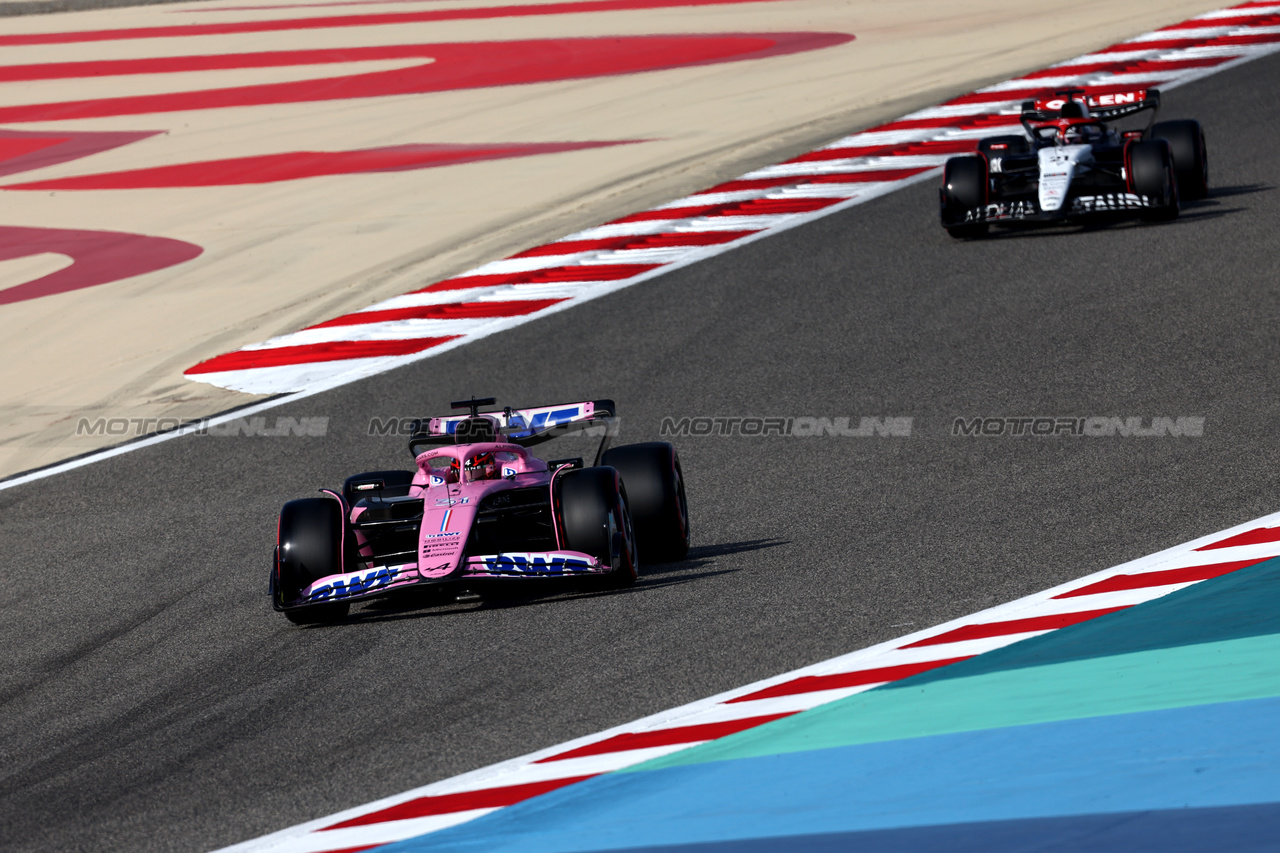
[(534, 564)]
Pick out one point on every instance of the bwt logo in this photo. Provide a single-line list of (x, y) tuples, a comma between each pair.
[(799, 427), (1094, 427), (535, 564), (355, 584)]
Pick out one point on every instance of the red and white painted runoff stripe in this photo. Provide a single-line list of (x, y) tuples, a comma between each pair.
[(471, 795), (638, 247)]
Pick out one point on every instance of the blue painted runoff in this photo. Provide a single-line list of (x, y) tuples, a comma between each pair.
[(1096, 775)]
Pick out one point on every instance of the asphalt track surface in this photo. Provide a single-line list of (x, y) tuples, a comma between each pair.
[(151, 700), (14, 8)]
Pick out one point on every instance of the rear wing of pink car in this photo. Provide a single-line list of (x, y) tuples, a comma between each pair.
[(524, 427)]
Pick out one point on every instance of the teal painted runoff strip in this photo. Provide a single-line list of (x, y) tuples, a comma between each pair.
[(1060, 676), (1230, 607)]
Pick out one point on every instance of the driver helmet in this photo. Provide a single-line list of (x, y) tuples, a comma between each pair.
[(482, 466), (444, 474)]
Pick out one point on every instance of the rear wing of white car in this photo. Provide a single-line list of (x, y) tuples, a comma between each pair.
[(1105, 105)]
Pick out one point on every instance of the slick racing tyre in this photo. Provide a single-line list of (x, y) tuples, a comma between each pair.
[(396, 484), (1151, 174), (596, 521), (964, 187), (655, 494), (1190, 157), (309, 548)]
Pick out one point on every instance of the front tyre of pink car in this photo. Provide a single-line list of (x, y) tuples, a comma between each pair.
[(309, 548), (597, 521), (654, 484)]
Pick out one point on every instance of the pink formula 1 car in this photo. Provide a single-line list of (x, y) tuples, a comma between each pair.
[(480, 512)]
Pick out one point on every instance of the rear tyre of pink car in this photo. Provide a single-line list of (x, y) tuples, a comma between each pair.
[(597, 521), (309, 548), (655, 492)]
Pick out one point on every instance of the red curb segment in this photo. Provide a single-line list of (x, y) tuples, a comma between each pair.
[(838, 680), (450, 311), (307, 353), (871, 176), (667, 737), (1119, 583), (907, 149), (487, 798), (552, 275), (754, 207), (632, 241), (1137, 66), (1214, 23), (982, 631), (1258, 536)]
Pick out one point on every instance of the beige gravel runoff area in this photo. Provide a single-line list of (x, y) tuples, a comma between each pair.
[(280, 256)]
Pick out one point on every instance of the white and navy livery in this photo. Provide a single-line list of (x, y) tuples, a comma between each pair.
[(1070, 163)]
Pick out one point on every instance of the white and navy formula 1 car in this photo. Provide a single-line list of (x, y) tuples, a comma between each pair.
[(1071, 165), (479, 511)]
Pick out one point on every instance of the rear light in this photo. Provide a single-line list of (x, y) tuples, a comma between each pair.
[(1133, 134), (999, 146)]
